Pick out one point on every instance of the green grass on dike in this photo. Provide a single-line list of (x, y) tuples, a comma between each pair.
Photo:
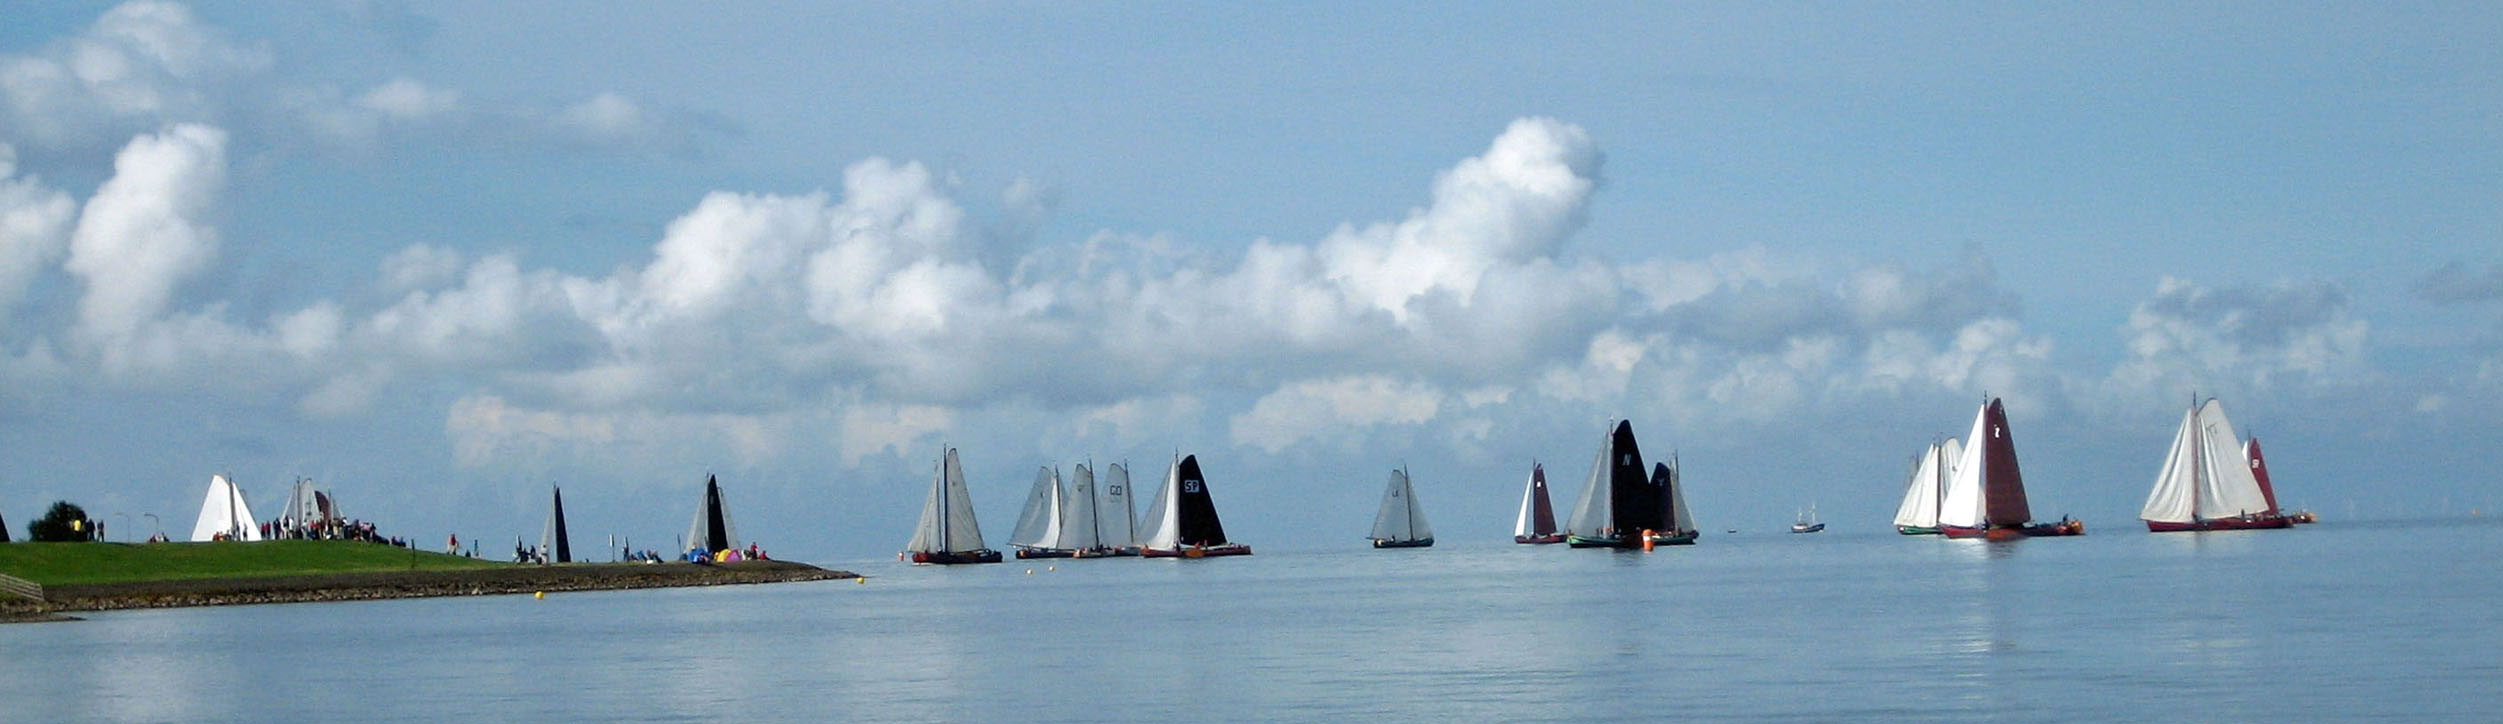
[(54, 564)]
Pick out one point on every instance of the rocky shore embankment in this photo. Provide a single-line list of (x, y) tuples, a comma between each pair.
[(405, 584)]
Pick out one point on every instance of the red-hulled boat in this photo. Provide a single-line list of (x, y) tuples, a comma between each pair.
[(1184, 517), (2210, 480), (1986, 498)]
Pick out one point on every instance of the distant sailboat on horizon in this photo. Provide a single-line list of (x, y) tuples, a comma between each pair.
[(1807, 522), (2207, 482), (1986, 498), (947, 533), (1620, 506), (1401, 522), (1918, 514), (552, 537), (1536, 524), (1183, 522)]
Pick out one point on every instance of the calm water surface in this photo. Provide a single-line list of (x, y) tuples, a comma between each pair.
[(2331, 621)]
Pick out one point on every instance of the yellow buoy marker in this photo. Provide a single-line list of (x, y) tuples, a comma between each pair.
[(541, 595), (862, 580)]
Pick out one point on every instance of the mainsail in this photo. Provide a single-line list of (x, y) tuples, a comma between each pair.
[(1400, 519), (1039, 525), (1538, 517), (1618, 499), (552, 538), (1988, 489), (223, 512), (1185, 514), (1928, 484), (947, 523), (2206, 474), (1079, 529), (1116, 516), (712, 531), (1681, 522)]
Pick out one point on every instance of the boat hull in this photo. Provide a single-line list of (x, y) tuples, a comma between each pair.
[(1807, 527), (1026, 553), (946, 558), (1418, 543), (2255, 523), (2036, 530), (1229, 549), (1538, 539), (1581, 542), (1673, 540), (1106, 552), (1915, 530)]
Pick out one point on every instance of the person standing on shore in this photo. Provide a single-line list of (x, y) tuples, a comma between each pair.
[(452, 545)]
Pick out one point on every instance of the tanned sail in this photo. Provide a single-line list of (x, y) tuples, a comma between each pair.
[(1401, 523), (1188, 526), (1987, 496), (1536, 523), (2208, 482), (2259, 471), (1677, 523), (552, 538), (947, 533)]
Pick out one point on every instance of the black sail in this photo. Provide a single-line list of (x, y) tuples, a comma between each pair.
[(716, 530), (1631, 496), (1198, 511), (564, 550), (1661, 478)]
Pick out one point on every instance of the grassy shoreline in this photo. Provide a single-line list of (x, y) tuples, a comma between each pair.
[(104, 576)]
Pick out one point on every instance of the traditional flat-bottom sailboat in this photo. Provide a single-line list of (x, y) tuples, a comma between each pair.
[(1621, 508), (1038, 528), (2208, 482), (1537, 522), (1183, 521), (1401, 523), (947, 533), (1918, 514), (2259, 471), (1986, 499)]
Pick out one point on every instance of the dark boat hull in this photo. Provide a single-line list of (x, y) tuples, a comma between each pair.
[(1418, 543), (1581, 542), (1229, 549), (1808, 528), (1915, 530), (1538, 539), (1673, 540), (2036, 530), (1027, 553), (2254, 523), (945, 558), (1106, 552)]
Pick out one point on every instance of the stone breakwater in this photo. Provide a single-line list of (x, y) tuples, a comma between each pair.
[(407, 584)]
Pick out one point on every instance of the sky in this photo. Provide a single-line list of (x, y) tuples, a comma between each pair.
[(441, 256)]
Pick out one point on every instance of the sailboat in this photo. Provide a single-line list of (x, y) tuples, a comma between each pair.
[(947, 533), (223, 515), (1619, 505), (2206, 482), (2259, 471), (1038, 528), (1537, 522), (1082, 528), (1807, 522), (1678, 523), (1986, 498), (1183, 521), (1918, 515), (552, 537), (1401, 523), (711, 534), (1115, 515)]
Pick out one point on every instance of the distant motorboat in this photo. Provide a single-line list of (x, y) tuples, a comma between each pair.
[(1807, 522), (947, 533), (1401, 522)]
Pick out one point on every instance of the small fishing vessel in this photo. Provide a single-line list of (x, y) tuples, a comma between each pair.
[(223, 515), (947, 533), (712, 534), (2208, 482), (1537, 522), (1986, 497), (1183, 523), (1620, 506), (1038, 528), (1401, 523), (552, 539), (1807, 522), (1918, 514)]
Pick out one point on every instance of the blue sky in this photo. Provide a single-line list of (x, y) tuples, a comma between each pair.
[(439, 256)]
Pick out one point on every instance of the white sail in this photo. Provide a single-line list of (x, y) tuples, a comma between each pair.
[(1529, 501), (2233, 490), (1038, 524), (302, 506), (1683, 520), (1078, 528), (1398, 519), (2173, 500), (1115, 515), (223, 511), (1164, 517), (1920, 493), (1595, 515), (947, 523), (1962, 505)]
